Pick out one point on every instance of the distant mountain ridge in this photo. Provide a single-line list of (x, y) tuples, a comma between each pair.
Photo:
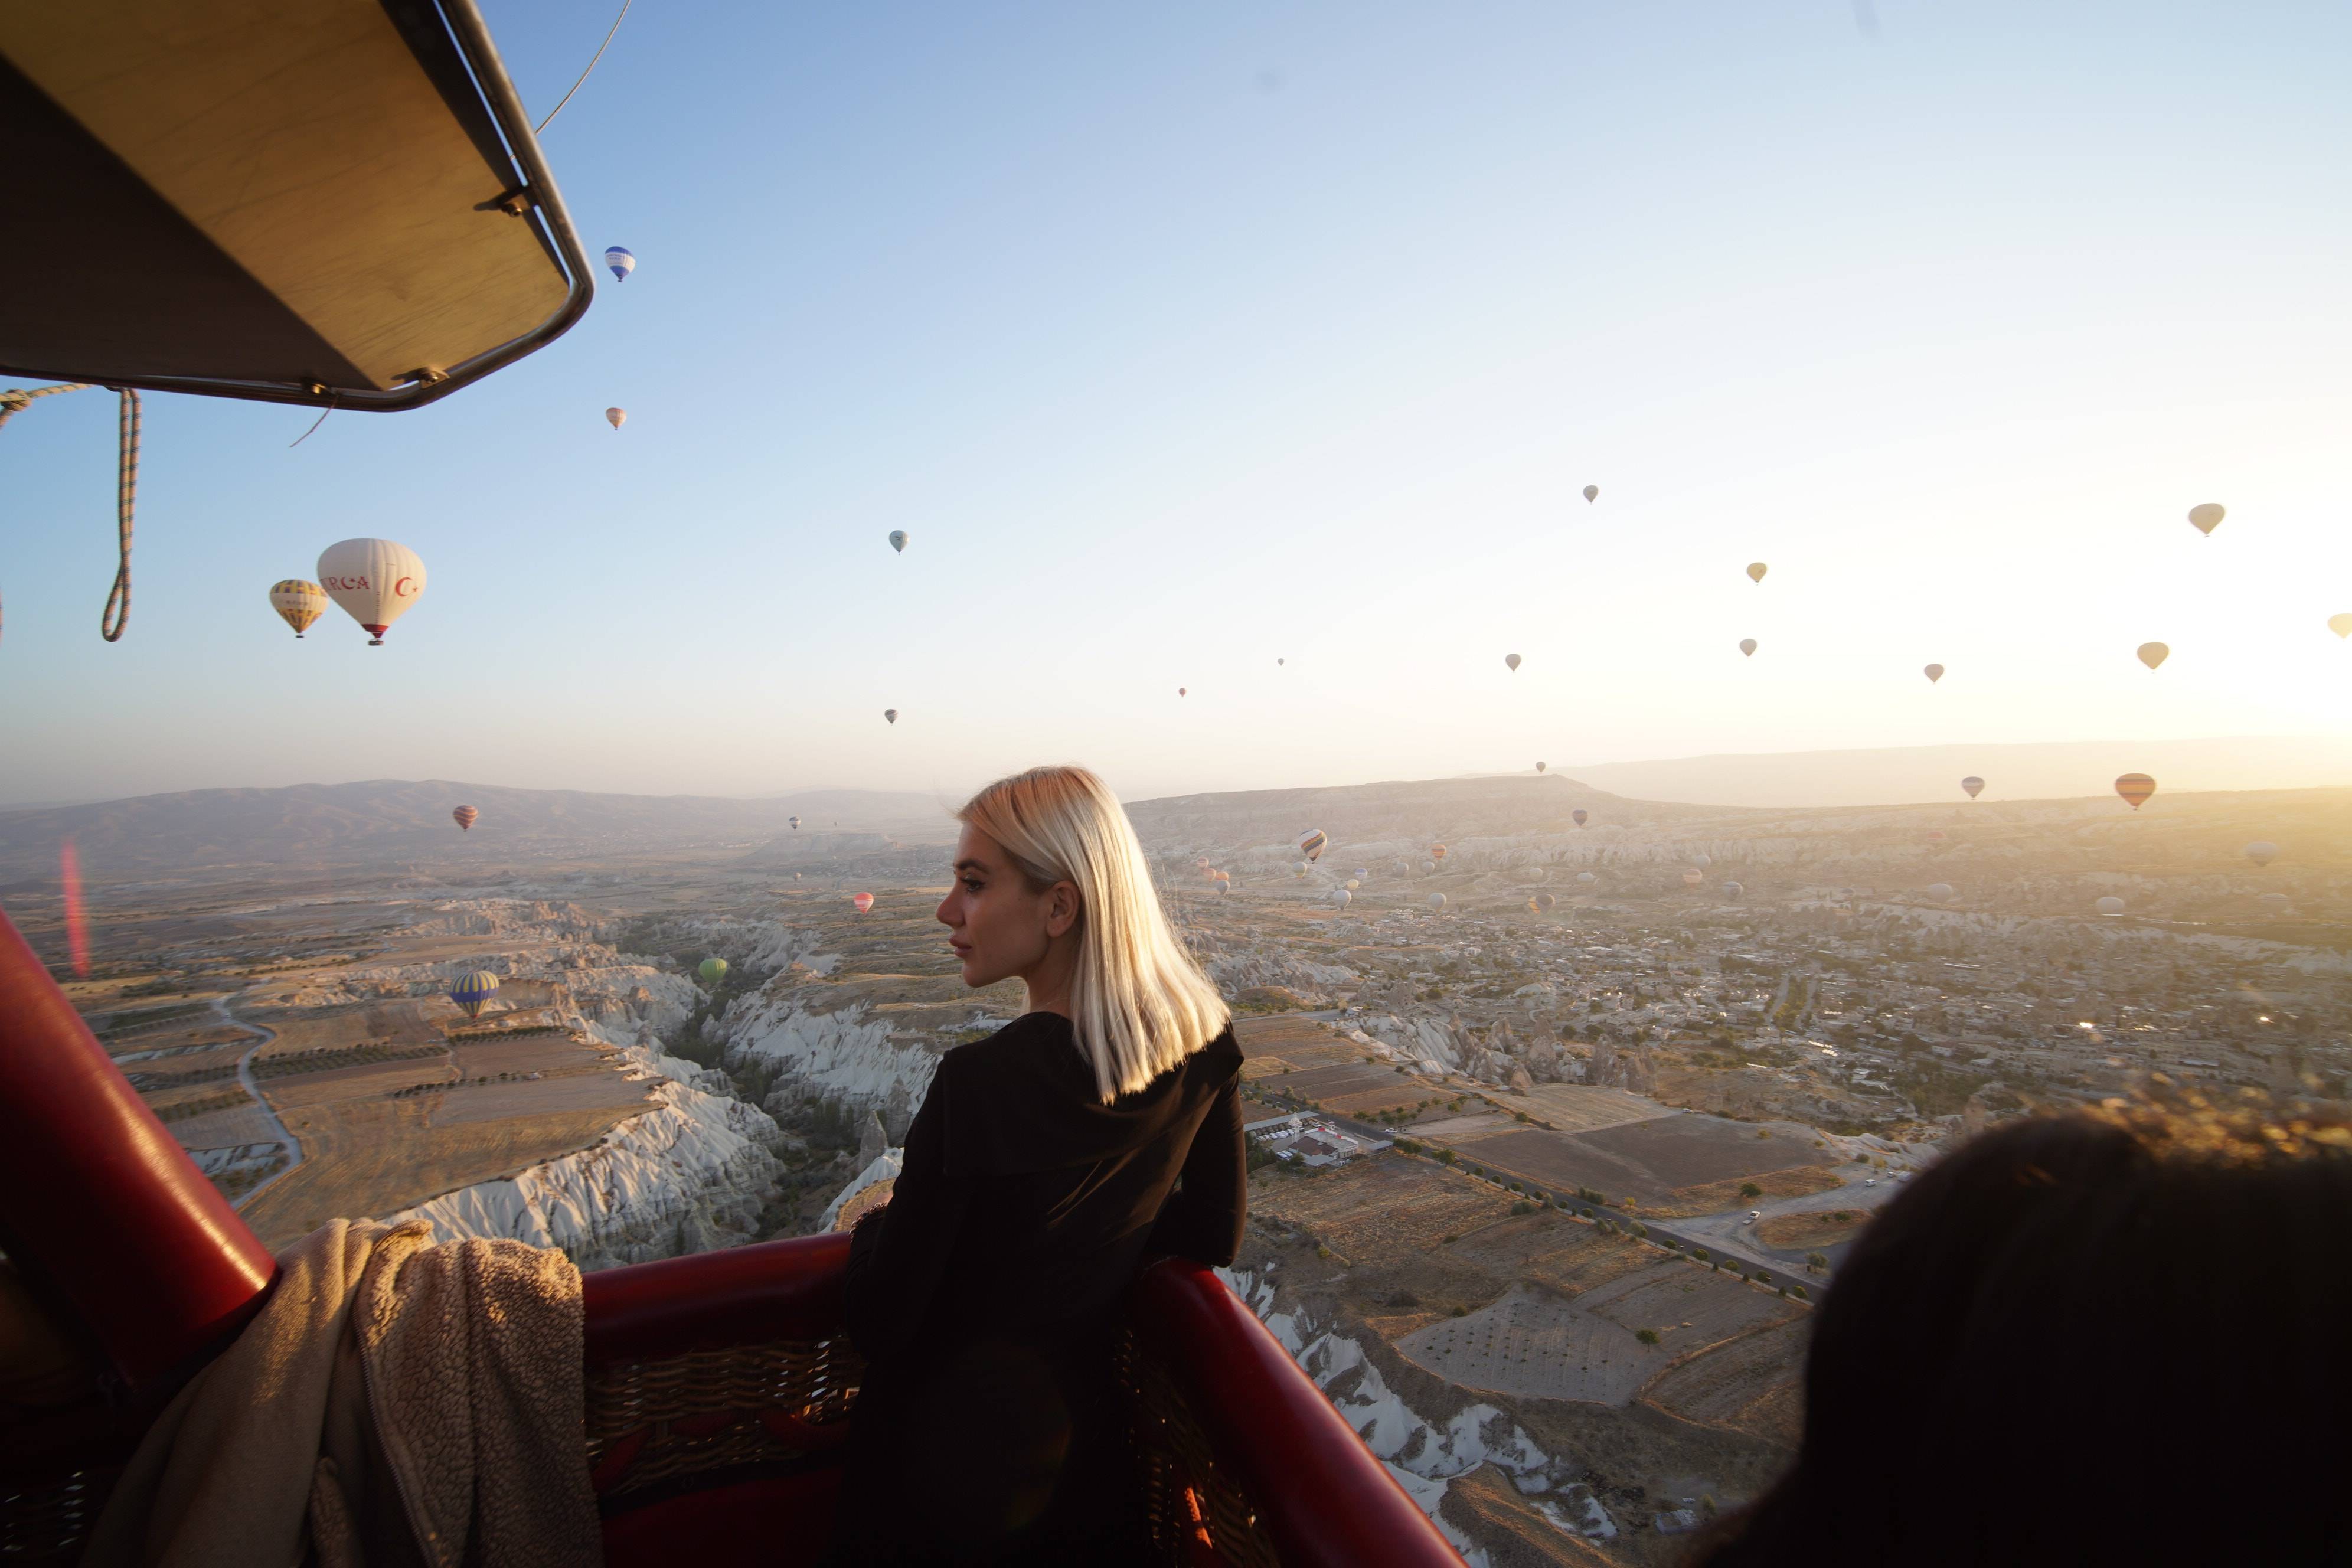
[(391, 821)]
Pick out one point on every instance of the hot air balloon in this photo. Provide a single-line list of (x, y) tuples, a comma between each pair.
[(1702, 861), (2109, 905), (1340, 897), (1733, 890), (1747, 646), (1543, 903), (1935, 672), (1280, 661), (374, 580), (2262, 851), (1300, 868), (864, 902), (474, 990), (1591, 492), (899, 540), (891, 714), (2206, 516), (1756, 570), (795, 823), (1935, 836), (1311, 843), (1539, 767), (1512, 660), (616, 417), (1351, 884), (1437, 851), (1940, 891), (2152, 654), (1973, 785), (1586, 877), (1580, 815), (1428, 868), (1438, 900), (620, 260), (2273, 903), (712, 969), (1693, 878), (1225, 887), (466, 817), (1180, 691), (2135, 788), (298, 603), (2340, 625)]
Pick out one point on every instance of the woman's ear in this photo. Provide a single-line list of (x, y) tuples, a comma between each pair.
[(1062, 906)]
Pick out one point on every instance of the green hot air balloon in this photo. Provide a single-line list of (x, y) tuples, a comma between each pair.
[(713, 970)]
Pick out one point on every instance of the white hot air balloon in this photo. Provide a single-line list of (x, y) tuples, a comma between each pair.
[(2109, 905), (1747, 646), (1587, 878), (1940, 891), (616, 417), (1438, 900), (374, 580), (1340, 897), (1702, 861), (1733, 890), (1592, 494), (619, 259), (2262, 851), (1511, 659), (899, 540), (1429, 867)]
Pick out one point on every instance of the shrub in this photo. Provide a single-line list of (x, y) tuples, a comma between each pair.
[(1588, 1214), (1523, 1207), (1461, 1312), (1798, 1292), (1450, 1240), (1700, 1253), (1750, 1190), (1647, 1336), (1322, 1250)]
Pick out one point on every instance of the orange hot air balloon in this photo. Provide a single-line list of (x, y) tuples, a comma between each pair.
[(1437, 851), (864, 902), (466, 817), (2135, 788)]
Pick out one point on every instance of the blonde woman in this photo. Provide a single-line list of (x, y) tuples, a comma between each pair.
[(1047, 1162)]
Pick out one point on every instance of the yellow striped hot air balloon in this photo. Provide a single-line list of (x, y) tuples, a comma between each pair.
[(299, 603)]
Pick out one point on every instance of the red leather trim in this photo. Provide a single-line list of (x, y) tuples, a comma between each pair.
[(774, 1290), (785, 1521), (1320, 1492), (99, 1202)]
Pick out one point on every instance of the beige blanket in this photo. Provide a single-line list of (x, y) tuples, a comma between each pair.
[(395, 1405)]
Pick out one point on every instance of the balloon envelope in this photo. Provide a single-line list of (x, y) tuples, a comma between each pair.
[(864, 902), (795, 823), (1733, 890), (1591, 492), (616, 417), (2340, 625), (1940, 891), (1351, 884), (2206, 516), (891, 714), (2110, 905), (2152, 654), (466, 817), (2271, 902), (1437, 851), (1438, 900), (712, 969), (1511, 659), (1693, 878), (1702, 861), (2135, 788), (1580, 816), (1428, 868), (1973, 785), (1747, 646), (1935, 672), (1756, 570), (1586, 877), (473, 991), (1311, 843), (2262, 851), (374, 580), (1539, 767), (1544, 902), (620, 260), (299, 603), (899, 540)]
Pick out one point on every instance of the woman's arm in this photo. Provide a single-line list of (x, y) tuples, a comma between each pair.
[(891, 1281), (1202, 1217)]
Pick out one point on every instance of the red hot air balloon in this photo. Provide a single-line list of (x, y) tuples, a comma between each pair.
[(464, 816), (2135, 788), (864, 902)]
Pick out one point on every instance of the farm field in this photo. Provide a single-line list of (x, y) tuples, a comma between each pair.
[(1789, 1232), (1377, 1207), (1537, 1345)]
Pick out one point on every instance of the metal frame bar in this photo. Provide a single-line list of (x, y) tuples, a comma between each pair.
[(489, 72)]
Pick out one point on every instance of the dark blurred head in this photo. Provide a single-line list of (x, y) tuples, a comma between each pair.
[(2115, 1335)]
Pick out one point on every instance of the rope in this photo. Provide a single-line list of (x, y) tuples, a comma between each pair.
[(14, 401), (305, 435), (583, 74), (117, 615)]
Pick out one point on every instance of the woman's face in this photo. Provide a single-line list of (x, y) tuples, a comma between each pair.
[(997, 924)]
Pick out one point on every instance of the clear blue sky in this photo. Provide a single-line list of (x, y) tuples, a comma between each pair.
[(1187, 338)]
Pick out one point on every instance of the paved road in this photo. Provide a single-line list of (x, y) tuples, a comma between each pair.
[(292, 1144)]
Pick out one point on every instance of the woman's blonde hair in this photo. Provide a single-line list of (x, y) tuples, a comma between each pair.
[(1139, 1003)]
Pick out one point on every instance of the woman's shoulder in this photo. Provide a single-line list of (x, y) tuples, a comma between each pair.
[(1016, 1047)]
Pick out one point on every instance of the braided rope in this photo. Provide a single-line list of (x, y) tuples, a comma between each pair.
[(117, 614), (15, 400)]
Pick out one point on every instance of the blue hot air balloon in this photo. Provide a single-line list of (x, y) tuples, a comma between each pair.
[(619, 259), (473, 991)]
